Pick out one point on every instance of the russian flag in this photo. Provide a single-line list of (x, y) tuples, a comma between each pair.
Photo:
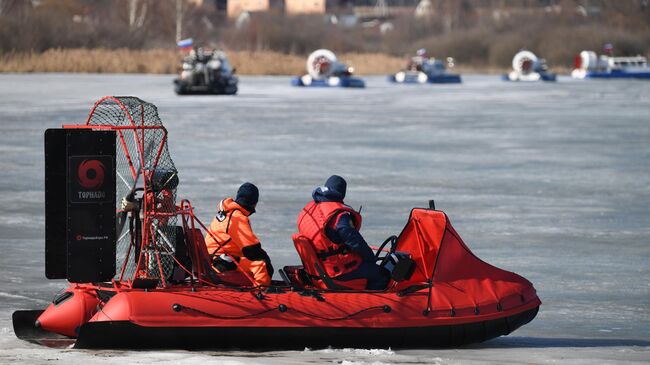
[(185, 44), (609, 49)]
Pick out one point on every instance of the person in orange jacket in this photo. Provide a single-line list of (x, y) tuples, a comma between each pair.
[(231, 237)]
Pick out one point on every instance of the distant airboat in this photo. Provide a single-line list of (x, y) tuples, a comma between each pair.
[(421, 69), (324, 70), (526, 66), (588, 65)]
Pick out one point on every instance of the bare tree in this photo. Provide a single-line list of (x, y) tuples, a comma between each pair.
[(179, 20), (19, 7), (137, 13)]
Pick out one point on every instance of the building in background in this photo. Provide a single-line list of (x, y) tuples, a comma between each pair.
[(293, 7), (236, 7)]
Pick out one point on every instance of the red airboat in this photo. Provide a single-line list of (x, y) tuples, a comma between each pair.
[(147, 280)]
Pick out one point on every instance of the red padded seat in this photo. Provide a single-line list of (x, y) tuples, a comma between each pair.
[(201, 258), (314, 268)]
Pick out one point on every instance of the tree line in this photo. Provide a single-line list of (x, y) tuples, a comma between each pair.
[(474, 32)]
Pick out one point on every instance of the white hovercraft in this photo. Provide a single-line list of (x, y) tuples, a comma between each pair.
[(527, 67), (590, 66), (324, 70)]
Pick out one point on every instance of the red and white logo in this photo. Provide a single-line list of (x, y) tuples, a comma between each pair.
[(90, 174)]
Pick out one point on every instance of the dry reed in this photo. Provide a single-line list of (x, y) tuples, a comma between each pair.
[(91, 61), (161, 61)]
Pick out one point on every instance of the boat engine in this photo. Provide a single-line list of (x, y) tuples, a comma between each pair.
[(586, 60), (527, 67), (525, 62), (322, 64)]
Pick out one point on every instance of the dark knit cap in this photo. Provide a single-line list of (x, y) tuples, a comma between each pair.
[(247, 196), (337, 184)]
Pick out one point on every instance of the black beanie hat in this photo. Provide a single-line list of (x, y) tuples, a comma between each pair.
[(247, 196), (337, 184)]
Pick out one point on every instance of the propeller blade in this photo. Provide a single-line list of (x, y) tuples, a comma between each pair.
[(121, 218)]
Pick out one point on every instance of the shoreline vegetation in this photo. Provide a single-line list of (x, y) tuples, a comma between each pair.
[(166, 61), (139, 36)]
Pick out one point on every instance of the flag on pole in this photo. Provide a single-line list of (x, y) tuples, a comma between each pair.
[(185, 44), (609, 49)]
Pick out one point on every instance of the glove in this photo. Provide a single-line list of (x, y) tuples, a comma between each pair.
[(127, 205)]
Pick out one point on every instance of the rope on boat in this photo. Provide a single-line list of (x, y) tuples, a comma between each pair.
[(178, 307), (384, 308), (282, 308)]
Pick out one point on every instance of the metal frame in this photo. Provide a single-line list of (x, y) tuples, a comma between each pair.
[(184, 210)]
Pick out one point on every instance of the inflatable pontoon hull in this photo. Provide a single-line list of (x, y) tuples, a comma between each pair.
[(111, 335), (352, 82), (431, 79), (545, 76), (617, 75), (228, 86), (126, 334)]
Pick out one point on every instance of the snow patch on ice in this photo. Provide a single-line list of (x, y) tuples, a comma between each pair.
[(362, 352)]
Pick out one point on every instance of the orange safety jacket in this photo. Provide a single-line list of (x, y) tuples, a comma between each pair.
[(232, 233), (312, 222)]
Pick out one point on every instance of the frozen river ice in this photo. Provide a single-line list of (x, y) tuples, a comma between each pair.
[(551, 181)]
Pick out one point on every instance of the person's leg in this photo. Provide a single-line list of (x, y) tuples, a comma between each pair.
[(377, 277), (258, 270)]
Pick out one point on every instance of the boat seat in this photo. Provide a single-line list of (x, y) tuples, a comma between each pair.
[(182, 258), (296, 276), (232, 277), (314, 268)]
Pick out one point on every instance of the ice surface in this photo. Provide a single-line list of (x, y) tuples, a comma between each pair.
[(551, 181)]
